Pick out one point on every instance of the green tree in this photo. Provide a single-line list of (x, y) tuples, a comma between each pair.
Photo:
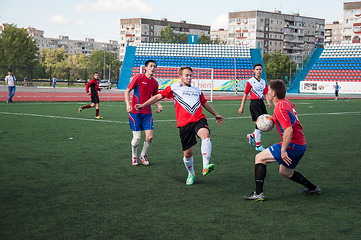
[(53, 62), (167, 35), (95, 63), (17, 50), (204, 40), (181, 38), (277, 65)]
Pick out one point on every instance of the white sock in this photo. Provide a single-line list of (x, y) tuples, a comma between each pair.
[(188, 163), (257, 136), (206, 149), (146, 145), (135, 143)]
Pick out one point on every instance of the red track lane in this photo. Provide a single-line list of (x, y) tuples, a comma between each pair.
[(22, 95)]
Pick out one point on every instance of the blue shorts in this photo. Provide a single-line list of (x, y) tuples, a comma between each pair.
[(294, 151), (140, 121)]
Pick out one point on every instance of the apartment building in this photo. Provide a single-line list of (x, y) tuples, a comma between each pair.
[(351, 29), (291, 34), (220, 35), (142, 30), (72, 46), (333, 33)]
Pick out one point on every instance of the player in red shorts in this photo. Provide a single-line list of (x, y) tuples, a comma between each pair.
[(289, 152), (94, 89), (144, 86), (190, 119)]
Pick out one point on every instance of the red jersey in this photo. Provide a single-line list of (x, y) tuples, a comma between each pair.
[(257, 88), (93, 85), (284, 116), (144, 88), (187, 103)]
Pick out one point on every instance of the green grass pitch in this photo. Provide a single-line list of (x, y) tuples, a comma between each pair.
[(65, 175)]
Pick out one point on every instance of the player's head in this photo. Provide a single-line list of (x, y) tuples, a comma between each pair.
[(9, 71), (96, 75), (257, 69), (277, 88), (185, 75), (150, 67)]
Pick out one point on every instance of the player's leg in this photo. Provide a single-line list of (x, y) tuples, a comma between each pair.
[(206, 150), (85, 107), (134, 124), (147, 126), (188, 163), (97, 110), (295, 152), (188, 140), (260, 170)]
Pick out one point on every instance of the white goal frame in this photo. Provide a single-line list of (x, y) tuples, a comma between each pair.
[(198, 82)]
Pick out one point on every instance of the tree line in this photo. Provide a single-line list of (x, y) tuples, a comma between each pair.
[(18, 52)]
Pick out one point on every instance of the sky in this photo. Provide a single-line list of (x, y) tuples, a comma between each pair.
[(99, 19)]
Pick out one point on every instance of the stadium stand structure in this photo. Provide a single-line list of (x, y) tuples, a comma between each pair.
[(222, 62), (337, 63)]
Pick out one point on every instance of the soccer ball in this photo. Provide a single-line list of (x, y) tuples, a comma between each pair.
[(265, 123)]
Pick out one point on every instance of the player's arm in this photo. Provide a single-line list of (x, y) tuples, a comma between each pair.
[(209, 108), (150, 101), (87, 87), (268, 101), (127, 99), (240, 110), (287, 135), (159, 107)]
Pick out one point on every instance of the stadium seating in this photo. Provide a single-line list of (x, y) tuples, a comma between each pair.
[(221, 58), (340, 63)]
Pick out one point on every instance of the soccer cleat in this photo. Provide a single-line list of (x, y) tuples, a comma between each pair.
[(308, 191), (134, 161), (260, 148), (80, 108), (208, 169), (190, 179), (144, 160), (250, 139), (98, 117), (255, 197)]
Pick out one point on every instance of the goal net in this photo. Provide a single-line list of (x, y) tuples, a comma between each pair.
[(202, 77)]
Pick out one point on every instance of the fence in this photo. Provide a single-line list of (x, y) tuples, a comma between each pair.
[(71, 76)]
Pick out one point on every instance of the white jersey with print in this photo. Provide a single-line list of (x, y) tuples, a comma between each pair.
[(258, 88), (187, 103)]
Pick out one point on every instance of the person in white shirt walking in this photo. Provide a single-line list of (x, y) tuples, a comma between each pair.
[(10, 81)]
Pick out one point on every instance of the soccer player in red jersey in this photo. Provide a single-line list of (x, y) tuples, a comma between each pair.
[(289, 152), (94, 89), (144, 86), (258, 89), (190, 119)]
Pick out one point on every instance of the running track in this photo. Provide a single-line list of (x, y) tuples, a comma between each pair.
[(25, 94)]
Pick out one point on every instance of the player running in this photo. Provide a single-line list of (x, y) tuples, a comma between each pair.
[(94, 89), (145, 86), (258, 89), (190, 119), (289, 152)]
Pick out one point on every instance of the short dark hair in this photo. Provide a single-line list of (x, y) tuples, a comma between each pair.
[(257, 65), (10, 70), (149, 61), (95, 73), (180, 71), (279, 87)]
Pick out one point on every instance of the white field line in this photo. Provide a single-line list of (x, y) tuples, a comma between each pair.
[(165, 120)]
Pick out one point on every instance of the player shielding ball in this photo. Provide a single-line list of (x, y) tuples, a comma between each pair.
[(289, 152), (144, 86), (94, 89), (258, 89), (190, 119)]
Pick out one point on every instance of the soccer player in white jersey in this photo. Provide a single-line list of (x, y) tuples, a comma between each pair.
[(190, 119), (258, 89)]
